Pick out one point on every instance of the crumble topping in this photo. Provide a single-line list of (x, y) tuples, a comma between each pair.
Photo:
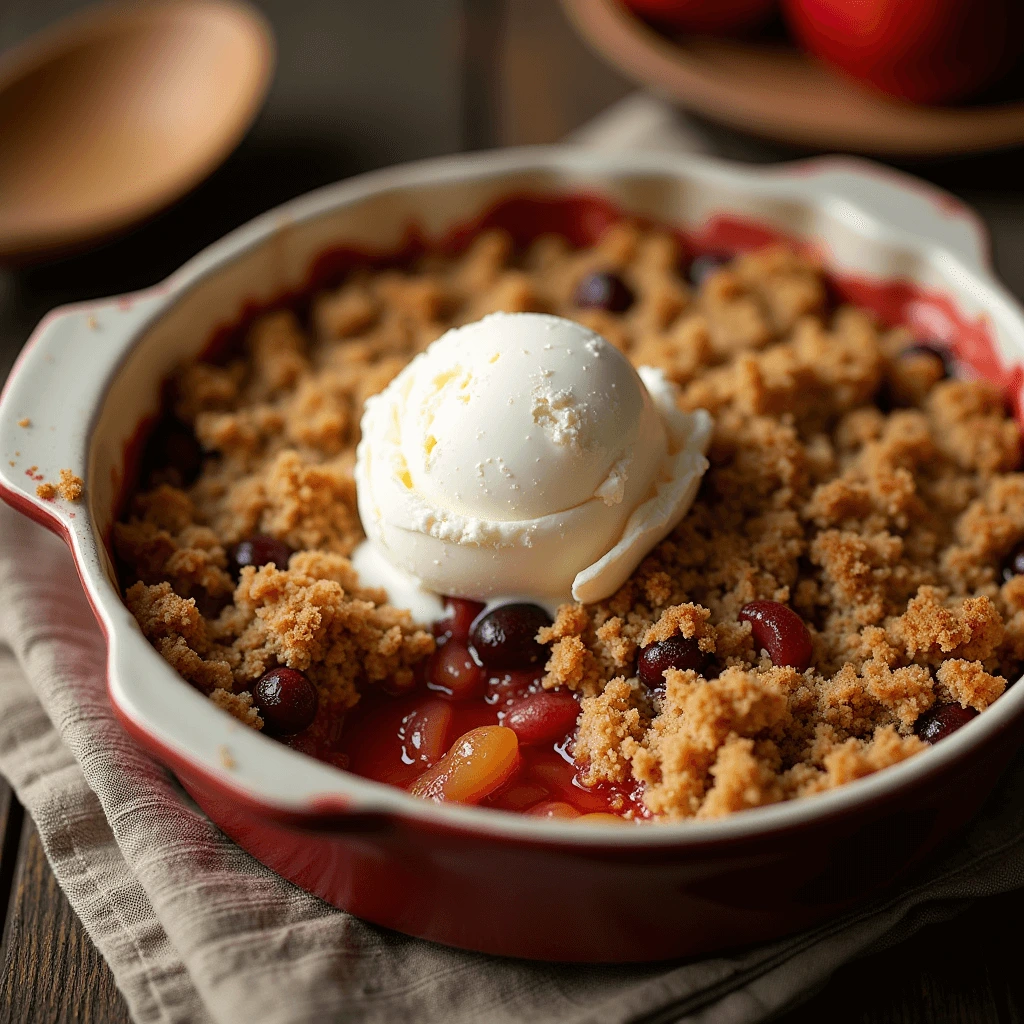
[(849, 479), (69, 487)]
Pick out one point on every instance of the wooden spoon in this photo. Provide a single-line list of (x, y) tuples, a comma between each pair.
[(117, 111)]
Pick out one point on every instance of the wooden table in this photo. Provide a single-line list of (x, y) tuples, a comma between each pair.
[(362, 85)]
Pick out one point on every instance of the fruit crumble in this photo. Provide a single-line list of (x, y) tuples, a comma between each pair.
[(847, 587)]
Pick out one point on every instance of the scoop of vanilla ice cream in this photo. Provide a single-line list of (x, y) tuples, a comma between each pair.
[(515, 458)]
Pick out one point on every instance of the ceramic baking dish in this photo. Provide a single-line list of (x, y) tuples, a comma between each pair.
[(471, 877)]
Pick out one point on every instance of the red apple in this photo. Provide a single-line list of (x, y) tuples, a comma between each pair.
[(710, 17), (927, 51)]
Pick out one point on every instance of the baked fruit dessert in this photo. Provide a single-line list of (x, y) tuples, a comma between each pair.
[(845, 587)]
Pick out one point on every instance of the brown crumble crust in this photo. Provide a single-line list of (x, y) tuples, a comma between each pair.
[(883, 530), (69, 487), (239, 705)]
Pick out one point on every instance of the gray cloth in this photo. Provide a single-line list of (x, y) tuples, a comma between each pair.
[(195, 930)]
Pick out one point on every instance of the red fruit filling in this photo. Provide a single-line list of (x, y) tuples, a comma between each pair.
[(458, 619), (780, 631), (468, 734), (454, 672), (543, 717)]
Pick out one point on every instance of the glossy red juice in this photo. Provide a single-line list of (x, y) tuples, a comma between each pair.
[(382, 737), (396, 737)]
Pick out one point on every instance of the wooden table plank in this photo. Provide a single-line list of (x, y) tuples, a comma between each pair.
[(963, 971), (51, 970), (11, 816), (547, 81)]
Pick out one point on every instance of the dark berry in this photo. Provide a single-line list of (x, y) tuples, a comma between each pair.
[(676, 652), (884, 398), (211, 606), (702, 267), (506, 637), (174, 453), (1014, 563), (780, 631), (259, 549), (287, 701), (941, 355), (602, 290), (942, 720), (458, 619)]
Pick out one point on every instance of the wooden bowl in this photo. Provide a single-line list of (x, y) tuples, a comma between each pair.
[(117, 111), (773, 90)]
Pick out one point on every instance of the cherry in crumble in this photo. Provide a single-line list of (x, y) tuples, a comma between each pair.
[(287, 701), (1013, 564), (259, 549), (781, 632), (675, 652), (543, 717), (506, 638), (603, 290), (942, 720), (702, 267)]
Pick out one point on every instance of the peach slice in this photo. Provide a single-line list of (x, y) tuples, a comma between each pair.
[(479, 762)]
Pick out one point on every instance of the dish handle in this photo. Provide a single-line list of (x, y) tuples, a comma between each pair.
[(57, 381), (903, 204)]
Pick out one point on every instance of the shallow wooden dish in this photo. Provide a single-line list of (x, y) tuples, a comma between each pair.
[(120, 109), (773, 90)]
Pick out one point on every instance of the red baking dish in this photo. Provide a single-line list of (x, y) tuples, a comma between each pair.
[(477, 878)]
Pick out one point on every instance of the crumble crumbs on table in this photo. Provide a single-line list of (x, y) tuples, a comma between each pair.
[(24, 422), (881, 521)]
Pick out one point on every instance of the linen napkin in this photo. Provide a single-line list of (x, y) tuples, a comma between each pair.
[(195, 930)]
